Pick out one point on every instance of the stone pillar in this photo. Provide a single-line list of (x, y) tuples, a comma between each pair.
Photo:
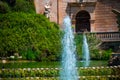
[(59, 11)]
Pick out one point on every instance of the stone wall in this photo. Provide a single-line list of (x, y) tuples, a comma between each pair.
[(102, 17), (105, 19)]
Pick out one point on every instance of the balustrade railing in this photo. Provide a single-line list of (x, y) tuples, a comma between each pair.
[(80, 1), (85, 73), (109, 36), (106, 36)]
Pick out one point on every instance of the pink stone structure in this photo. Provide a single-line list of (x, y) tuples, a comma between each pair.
[(86, 15)]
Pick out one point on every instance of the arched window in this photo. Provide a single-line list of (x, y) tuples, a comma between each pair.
[(82, 21)]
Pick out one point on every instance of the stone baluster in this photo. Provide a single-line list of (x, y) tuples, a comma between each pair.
[(110, 36), (112, 72), (97, 71), (107, 36), (93, 69), (24, 71), (18, 73), (9, 75), (118, 34)]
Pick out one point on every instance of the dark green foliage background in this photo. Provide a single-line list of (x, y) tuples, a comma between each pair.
[(4, 8), (26, 6)]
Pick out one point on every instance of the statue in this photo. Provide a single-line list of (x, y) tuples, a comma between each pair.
[(80, 1), (47, 10)]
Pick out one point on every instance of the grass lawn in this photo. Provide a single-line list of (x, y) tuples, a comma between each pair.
[(34, 64)]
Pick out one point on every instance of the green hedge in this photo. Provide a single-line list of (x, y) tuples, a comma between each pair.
[(31, 35)]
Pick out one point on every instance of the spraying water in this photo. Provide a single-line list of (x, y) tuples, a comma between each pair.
[(68, 71), (85, 51)]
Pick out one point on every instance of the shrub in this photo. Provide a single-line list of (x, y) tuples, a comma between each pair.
[(29, 33), (92, 43), (95, 52), (4, 8), (106, 54)]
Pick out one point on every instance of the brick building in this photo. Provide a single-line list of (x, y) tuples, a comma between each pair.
[(90, 15)]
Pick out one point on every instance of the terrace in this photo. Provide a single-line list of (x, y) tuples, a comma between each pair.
[(107, 36)]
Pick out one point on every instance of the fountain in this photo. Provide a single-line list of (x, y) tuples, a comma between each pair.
[(68, 71), (85, 52)]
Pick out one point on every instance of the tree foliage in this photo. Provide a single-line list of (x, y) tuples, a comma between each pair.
[(21, 32), (26, 6)]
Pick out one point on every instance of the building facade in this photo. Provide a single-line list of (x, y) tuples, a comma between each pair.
[(86, 15)]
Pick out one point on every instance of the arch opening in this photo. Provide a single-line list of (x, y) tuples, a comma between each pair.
[(82, 22)]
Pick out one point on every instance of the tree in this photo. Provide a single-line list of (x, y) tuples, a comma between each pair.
[(28, 35)]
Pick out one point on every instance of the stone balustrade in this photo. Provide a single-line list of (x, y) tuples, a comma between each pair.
[(109, 36), (99, 73), (79, 1), (105, 36)]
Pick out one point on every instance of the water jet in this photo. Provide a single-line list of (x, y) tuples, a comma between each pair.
[(85, 52), (68, 71)]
